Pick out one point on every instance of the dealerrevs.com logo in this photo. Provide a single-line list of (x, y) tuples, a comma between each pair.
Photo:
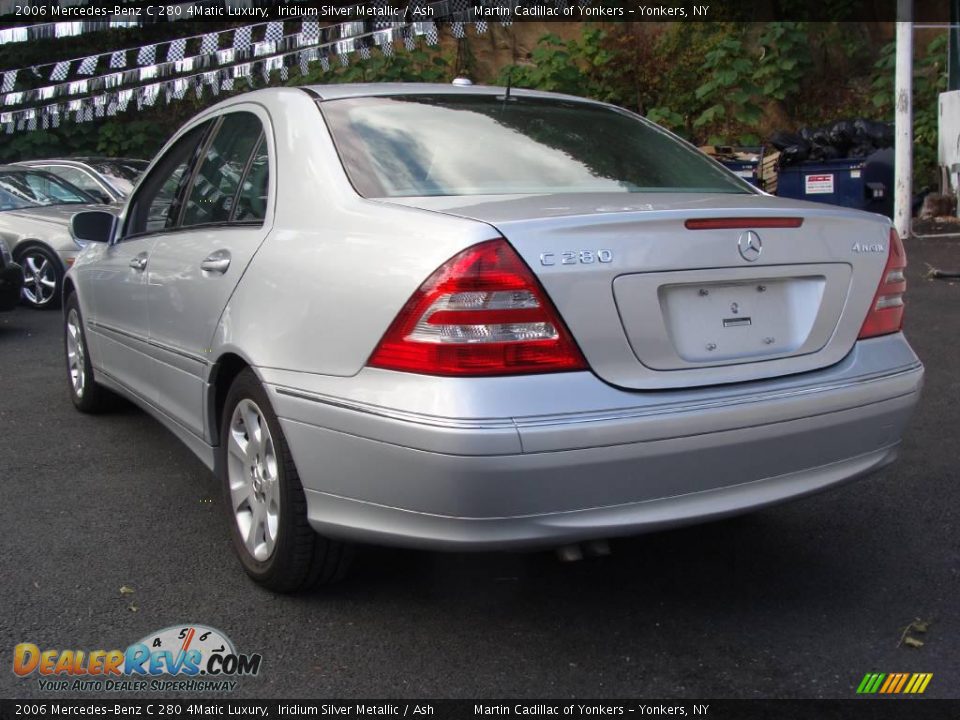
[(180, 658)]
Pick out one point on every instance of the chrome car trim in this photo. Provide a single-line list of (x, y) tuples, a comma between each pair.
[(147, 341), (392, 414), (587, 417)]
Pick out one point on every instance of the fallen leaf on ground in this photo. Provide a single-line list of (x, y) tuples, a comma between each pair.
[(912, 642), (126, 590)]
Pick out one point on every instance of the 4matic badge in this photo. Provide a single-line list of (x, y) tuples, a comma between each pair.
[(193, 651)]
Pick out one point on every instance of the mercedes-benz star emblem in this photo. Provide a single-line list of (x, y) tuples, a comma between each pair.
[(749, 246)]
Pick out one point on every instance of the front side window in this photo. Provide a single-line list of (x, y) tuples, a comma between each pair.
[(220, 179), (418, 145), (156, 204), (31, 188)]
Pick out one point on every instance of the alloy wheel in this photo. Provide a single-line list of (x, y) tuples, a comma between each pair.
[(75, 353), (39, 278), (252, 471)]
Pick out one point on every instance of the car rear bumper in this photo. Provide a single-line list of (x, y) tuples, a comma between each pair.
[(488, 481), (11, 283)]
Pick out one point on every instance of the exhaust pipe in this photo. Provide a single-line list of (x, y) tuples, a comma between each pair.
[(577, 551)]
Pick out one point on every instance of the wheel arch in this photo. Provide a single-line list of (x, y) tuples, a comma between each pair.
[(222, 374), (26, 244)]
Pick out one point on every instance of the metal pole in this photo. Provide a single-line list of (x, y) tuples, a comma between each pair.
[(953, 47), (903, 162)]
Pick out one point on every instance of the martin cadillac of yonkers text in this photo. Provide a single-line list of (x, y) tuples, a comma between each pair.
[(585, 709)]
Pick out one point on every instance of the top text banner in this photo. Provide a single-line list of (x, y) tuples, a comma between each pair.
[(504, 11)]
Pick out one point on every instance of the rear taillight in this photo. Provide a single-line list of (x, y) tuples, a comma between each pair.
[(886, 312), (481, 313)]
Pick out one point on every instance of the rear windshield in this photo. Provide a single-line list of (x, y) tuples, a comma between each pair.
[(420, 145)]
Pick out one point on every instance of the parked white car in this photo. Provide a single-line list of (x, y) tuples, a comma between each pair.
[(107, 179), (477, 318)]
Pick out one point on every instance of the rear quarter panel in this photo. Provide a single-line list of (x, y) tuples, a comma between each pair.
[(336, 269)]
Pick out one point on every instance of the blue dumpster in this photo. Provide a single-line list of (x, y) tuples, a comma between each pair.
[(744, 161), (859, 183)]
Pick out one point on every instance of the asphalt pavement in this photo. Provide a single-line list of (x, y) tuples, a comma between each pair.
[(799, 600)]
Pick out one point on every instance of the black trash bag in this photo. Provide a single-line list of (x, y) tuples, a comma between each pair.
[(830, 152), (820, 137), (877, 134), (806, 133), (842, 135), (782, 139), (860, 151), (793, 154), (888, 135)]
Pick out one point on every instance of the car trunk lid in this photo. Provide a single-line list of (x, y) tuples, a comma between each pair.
[(679, 289)]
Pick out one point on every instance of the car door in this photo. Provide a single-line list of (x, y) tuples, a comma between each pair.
[(194, 269), (118, 279)]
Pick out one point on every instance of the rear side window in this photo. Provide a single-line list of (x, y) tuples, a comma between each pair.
[(252, 199), (220, 179), (156, 204), (417, 145)]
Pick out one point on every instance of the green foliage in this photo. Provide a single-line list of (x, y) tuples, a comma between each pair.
[(929, 80), (577, 67), (784, 60)]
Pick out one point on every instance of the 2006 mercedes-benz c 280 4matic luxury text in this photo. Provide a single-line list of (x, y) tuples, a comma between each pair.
[(477, 318)]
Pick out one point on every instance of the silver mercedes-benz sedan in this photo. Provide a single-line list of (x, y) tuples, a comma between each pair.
[(474, 318)]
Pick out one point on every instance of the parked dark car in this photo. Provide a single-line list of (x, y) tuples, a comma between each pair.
[(11, 279)]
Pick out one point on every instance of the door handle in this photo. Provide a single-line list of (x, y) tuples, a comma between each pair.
[(139, 263), (216, 262)]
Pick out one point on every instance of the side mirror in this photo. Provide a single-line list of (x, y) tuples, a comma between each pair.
[(93, 226)]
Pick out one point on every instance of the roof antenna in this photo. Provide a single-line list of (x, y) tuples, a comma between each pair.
[(506, 95)]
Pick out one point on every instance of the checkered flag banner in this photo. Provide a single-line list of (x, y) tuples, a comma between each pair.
[(150, 94), (428, 30), (241, 37), (210, 43), (9, 81), (147, 55), (176, 50), (309, 32), (284, 73), (118, 59), (60, 71), (380, 24), (88, 66), (274, 32), (383, 39)]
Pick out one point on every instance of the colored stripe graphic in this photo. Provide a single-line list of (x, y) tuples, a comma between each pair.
[(894, 683)]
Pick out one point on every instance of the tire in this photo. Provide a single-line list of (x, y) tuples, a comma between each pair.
[(43, 277), (86, 394), (266, 505)]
